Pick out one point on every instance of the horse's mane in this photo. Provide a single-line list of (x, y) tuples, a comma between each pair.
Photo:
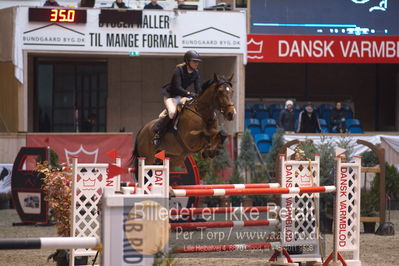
[(209, 82), (206, 85)]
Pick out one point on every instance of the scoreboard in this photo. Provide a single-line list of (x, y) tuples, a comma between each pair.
[(334, 17)]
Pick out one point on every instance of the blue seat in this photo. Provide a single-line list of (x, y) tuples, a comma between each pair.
[(326, 115), (270, 131), (254, 126), (348, 113), (263, 142), (323, 125), (269, 122), (276, 107), (322, 122), (255, 130), (356, 130), (275, 115), (297, 108), (352, 122), (261, 111), (251, 121), (259, 106), (246, 122), (325, 107), (353, 126), (261, 114), (248, 107), (248, 114)]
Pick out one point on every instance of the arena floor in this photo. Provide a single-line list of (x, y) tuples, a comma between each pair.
[(375, 250)]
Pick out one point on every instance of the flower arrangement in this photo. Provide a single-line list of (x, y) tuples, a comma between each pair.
[(57, 186)]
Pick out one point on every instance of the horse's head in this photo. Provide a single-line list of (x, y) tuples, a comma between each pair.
[(223, 96)]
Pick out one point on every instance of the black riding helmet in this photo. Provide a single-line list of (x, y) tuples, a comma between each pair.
[(191, 55)]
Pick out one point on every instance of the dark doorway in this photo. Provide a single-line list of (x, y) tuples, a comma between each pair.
[(70, 96)]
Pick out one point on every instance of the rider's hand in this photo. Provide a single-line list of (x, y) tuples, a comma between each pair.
[(192, 94)]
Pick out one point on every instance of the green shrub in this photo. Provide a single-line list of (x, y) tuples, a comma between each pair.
[(369, 159)]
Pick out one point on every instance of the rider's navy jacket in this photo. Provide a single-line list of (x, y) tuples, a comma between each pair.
[(181, 79)]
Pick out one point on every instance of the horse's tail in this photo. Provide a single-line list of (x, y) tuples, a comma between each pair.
[(134, 159)]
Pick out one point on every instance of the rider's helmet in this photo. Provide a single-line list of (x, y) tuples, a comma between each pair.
[(191, 55)]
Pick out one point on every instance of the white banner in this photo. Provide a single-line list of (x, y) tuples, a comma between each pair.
[(160, 32)]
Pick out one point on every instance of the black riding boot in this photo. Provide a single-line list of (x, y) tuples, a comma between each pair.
[(159, 129)]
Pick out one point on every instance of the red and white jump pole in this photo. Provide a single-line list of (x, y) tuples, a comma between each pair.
[(191, 211), (233, 247), (251, 191), (49, 242), (195, 225), (235, 186)]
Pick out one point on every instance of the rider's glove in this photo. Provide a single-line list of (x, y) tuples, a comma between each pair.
[(192, 94)]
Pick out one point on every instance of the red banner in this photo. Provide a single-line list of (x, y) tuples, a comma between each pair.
[(89, 148), (322, 49)]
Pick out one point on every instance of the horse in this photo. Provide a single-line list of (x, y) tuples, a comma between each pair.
[(198, 128)]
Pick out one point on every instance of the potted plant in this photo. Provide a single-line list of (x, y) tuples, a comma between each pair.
[(57, 186), (392, 185), (368, 208)]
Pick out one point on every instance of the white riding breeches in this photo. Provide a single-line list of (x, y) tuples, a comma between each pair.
[(171, 105)]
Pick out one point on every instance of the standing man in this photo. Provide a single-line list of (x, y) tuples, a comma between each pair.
[(153, 5), (286, 120), (308, 121)]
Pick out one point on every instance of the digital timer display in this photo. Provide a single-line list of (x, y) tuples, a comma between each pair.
[(59, 15)]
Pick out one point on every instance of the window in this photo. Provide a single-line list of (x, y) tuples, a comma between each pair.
[(71, 96)]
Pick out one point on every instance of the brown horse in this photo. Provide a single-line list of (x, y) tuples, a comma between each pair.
[(198, 128)]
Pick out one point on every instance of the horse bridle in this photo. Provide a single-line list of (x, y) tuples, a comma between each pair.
[(222, 106)]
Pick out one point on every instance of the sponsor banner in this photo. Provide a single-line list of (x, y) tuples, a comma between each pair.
[(5, 178), (323, 49), (26, 186), (88, 148), (160, 32)]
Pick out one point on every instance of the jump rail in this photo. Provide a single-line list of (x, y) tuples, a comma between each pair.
[(49, 243), (195, 225), (237, 186), (251, 191)]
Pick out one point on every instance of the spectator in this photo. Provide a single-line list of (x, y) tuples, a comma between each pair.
[(338, 121), (118, 4), (51, 3), (308, 121), (286, 120), (153, 5)]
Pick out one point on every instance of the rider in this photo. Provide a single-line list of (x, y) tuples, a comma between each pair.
[(184, 75)]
